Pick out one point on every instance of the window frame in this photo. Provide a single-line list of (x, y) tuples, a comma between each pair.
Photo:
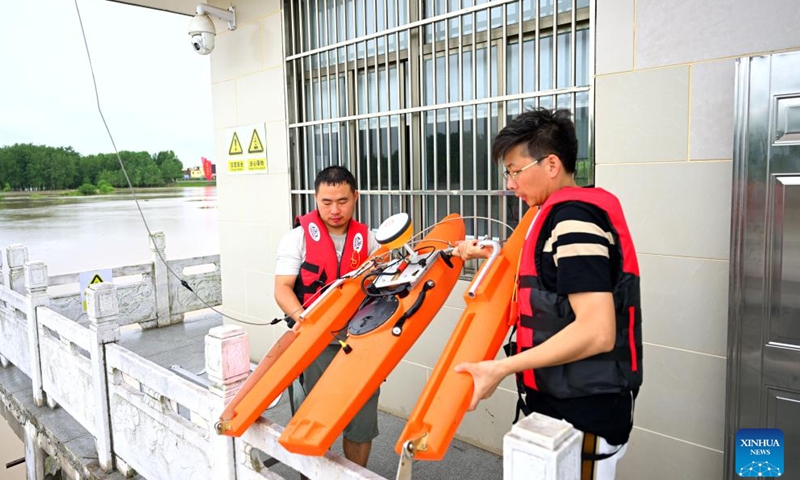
[(305, 66)]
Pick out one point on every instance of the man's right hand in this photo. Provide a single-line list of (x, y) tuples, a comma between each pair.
[(469, 249), (285, 297)]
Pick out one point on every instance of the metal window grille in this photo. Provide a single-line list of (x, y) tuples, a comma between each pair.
[(409, 94)]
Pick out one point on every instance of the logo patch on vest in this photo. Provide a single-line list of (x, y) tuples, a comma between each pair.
[(313, 230), (358, 242)]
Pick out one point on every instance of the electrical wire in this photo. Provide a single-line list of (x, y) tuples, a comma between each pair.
[(133, 192), (419, 252), (468, 217)]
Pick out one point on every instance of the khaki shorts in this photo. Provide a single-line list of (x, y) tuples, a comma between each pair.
[(364, 426)]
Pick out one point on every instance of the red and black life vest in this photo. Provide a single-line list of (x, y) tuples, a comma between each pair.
[(543, 313), (321, 264)]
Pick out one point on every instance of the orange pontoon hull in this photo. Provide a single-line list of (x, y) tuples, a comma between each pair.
[(478, 336), (352, 378), (292, 354)]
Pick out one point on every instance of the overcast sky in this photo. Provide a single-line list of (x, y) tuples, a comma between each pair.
[(154, 90)]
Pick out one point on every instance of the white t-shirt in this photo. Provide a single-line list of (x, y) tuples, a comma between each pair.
[(292, 250)]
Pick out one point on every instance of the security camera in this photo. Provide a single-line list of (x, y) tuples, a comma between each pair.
[(202, 33)]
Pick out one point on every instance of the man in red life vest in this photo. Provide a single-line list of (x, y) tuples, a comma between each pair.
[(324, 245), (579, 339)]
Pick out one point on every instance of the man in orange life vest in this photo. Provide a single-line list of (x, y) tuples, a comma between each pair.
[(324, 245), (579, 340)]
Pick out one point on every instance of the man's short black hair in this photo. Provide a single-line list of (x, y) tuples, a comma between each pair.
[(335, 175), (543, 132)]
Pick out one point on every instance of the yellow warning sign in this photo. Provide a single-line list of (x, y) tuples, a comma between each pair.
[(247, 152), (236, 165), (255, 143), (257, 164), (236, 147), (92, 278)]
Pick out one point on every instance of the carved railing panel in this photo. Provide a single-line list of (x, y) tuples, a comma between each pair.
[(160, 422), (66, 367), (14, 329), (68, 305), (207, 285), (137, 302), (263, 436)]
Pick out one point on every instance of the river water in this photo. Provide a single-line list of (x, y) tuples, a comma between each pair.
[(74, 234)]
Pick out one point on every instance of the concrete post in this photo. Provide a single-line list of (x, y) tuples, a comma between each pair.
[(158, 245), (36, 290), (228, 366), (34, 455), (539, 447), (102, 308), (17, 256), (3, 360)]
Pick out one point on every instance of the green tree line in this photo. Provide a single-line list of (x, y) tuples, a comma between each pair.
[(39, 167)]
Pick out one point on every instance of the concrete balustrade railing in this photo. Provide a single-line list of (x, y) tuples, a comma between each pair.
[(263, 436), (17, 256), (150, 296), (137, 299), (65, 355), (162, 424), (14, 330), (66, 348), (36, 291)]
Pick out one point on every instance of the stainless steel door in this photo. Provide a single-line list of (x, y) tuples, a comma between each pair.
[(764, 316)]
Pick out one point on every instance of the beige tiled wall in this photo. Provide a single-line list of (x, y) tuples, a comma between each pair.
[(711, 132), (678, 313), (615, 33), (683, 31), (277, 145), (654, 456), (664, 137), (642, 116), (427, 349), (400, 391), (248, 78), (674, 208), (684, 396), (487, 424)]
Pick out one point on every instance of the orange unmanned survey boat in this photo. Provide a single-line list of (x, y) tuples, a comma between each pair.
[(401, 302), (376, 282), (478, 336)]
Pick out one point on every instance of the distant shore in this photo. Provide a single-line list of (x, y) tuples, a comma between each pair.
[(118, 190), (194, 183)]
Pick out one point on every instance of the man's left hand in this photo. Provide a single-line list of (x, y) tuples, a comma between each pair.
[(486, 376)]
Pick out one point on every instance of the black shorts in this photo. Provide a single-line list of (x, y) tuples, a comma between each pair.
[(609, 415)]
